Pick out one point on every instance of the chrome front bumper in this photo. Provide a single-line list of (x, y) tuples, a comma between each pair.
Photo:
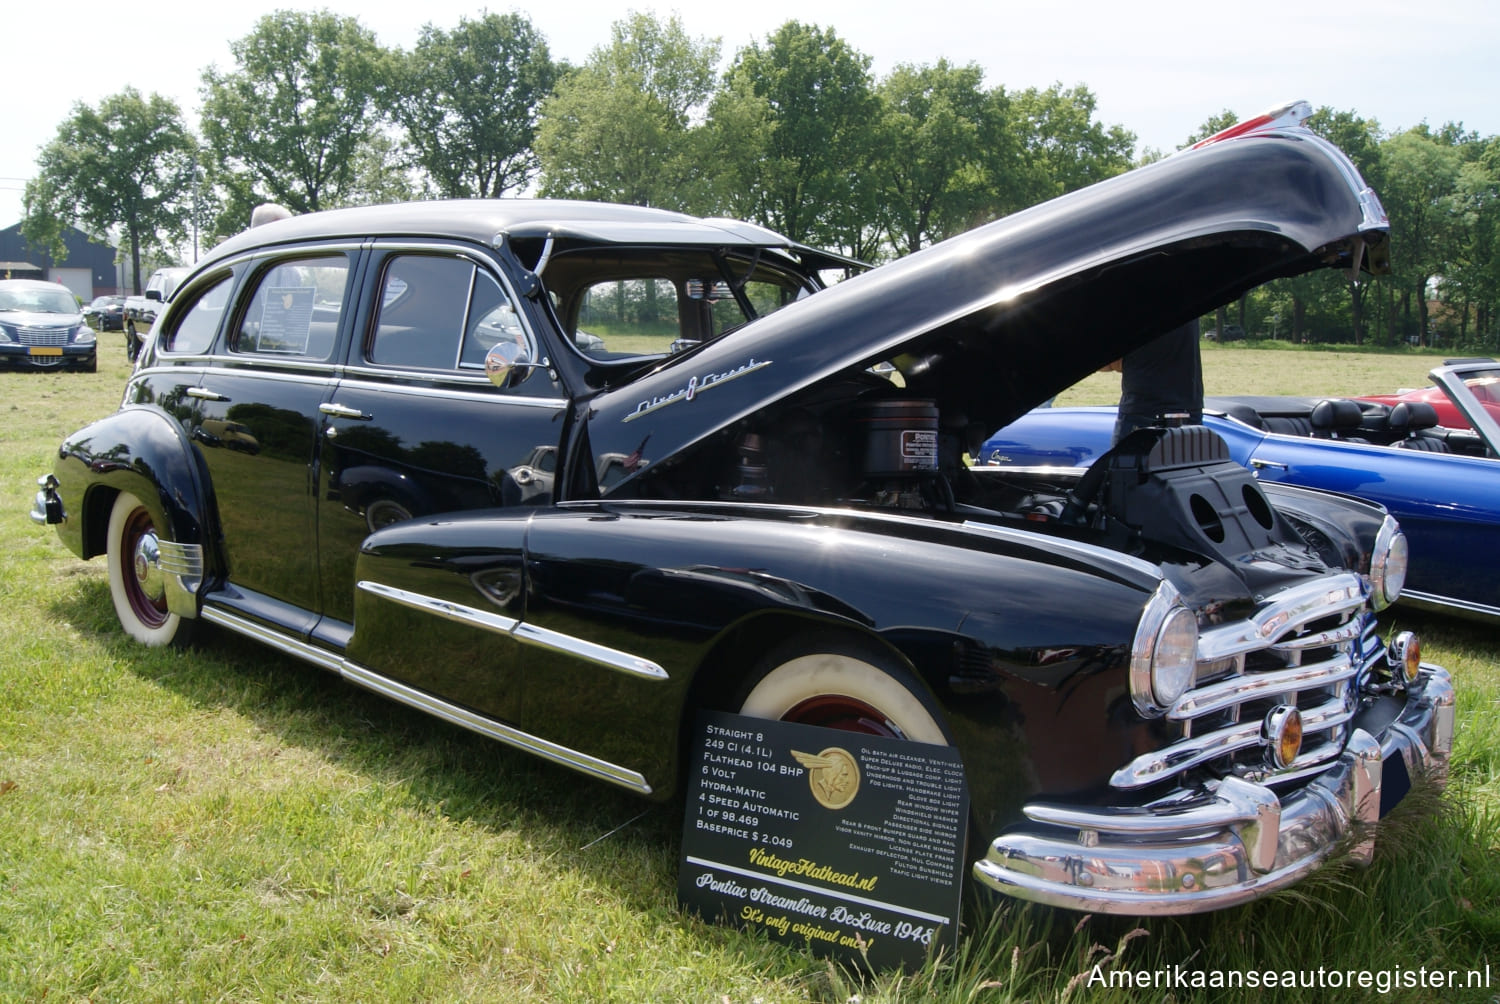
[(1241, 844)]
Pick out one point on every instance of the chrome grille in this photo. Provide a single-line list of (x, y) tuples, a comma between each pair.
[(54, 337), (1302, 647)]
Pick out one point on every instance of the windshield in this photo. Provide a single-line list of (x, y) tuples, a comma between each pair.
[(38, 300), (1484, 384), (633, 301)]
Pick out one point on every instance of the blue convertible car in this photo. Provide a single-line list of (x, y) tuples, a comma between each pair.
[(1442, 484)]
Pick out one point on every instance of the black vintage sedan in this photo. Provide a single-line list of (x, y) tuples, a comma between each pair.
[(374, 439)]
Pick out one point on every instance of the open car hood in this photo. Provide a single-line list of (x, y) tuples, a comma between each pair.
[(993, 322)]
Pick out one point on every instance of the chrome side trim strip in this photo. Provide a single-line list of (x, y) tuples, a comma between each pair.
[(450, 381), (438, 708), (1448, 605), (529, 634), (442, 608), (609, 658), (488, 727), (320, 657)]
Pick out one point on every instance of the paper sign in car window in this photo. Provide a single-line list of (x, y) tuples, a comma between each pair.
[(286, 320)]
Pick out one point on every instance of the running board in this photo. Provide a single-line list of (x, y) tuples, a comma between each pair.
[(421, 700)]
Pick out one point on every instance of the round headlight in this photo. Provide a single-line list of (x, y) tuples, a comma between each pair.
[(1388, 563), (1165, 653)]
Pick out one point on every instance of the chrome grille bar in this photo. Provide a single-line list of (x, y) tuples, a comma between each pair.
[(1283, 615), (1187, 753), (1257, 686)]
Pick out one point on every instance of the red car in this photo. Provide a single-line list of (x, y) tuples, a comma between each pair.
[(1485, 385)]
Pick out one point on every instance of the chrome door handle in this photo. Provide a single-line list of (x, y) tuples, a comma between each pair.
[(342, 411), (204, 394)]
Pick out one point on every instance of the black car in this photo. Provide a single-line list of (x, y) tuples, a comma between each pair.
[(42, 327), (105, 313), (370, 438), (1231, 333)]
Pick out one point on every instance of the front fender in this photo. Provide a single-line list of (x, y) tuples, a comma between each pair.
[(137, 450), (1021, 639)]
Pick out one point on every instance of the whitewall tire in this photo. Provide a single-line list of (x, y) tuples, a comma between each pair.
[(845, 687), (137, 586)]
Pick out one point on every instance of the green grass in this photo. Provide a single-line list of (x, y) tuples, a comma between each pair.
[(1284, 368), (227, 824)]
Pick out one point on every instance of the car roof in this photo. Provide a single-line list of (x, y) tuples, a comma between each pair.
[(489, 221)]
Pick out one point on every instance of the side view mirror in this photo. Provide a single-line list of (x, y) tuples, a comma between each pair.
[(508, 364)]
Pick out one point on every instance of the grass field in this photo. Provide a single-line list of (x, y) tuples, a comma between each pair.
[(226, 824)]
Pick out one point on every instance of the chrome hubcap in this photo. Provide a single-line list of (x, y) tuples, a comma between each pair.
[(146, 563)]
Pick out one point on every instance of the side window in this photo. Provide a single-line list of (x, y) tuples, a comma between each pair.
[(295, 309), (628, 315), (441, 313), (193, 330), (670, 302)]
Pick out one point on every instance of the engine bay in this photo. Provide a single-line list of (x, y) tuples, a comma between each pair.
[(1176, 487)]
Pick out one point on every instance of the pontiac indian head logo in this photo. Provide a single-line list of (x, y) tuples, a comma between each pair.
[(833, 776)]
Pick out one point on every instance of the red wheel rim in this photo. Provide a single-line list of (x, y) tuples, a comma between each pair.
[(150, 612), (847, 714)]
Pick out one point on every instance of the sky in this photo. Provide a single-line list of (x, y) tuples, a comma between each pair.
[(1159, 69)]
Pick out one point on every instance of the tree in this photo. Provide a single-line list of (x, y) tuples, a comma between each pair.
[(1473, 280), (811, 178), (469, 101), (1360, 140), (619, 129), (1421, 176), (944, 152), (1211, 126), (1063, 145), (290, 122), (128, 163)]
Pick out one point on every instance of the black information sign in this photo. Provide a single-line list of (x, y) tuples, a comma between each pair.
[(850, 844)]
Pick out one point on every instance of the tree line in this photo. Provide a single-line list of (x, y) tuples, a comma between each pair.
[(795, 133)]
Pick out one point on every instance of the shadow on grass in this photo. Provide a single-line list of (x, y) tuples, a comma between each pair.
[(445, 769)]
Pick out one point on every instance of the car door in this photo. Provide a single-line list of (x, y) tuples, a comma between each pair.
[(258, 425), (415, 428)]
